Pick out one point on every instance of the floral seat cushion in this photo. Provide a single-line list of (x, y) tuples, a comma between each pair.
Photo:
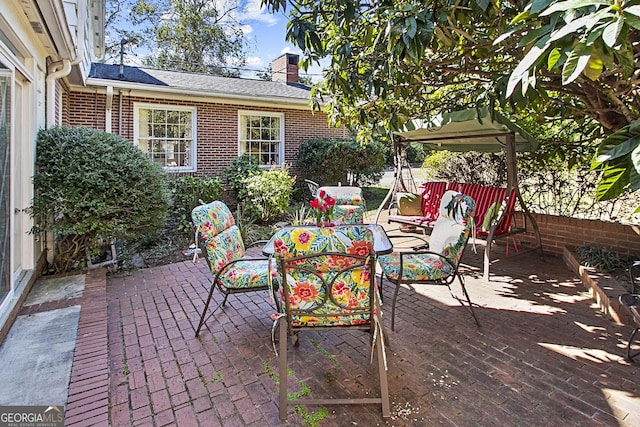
[(325, 290), (246, 274), (349, 214), (448, 239), (422, 267)]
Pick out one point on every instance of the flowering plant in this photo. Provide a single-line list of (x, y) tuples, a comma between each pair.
[(322, 207)]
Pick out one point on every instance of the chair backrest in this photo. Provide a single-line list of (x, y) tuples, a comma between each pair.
[(326, 274), (453, 227), (311, 189), (217, 229), (344, 195)]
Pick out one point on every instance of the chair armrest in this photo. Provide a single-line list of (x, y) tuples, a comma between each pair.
[(400, 236), (256, 243)]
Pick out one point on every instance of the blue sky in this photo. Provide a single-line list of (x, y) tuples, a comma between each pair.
[(266, 33)]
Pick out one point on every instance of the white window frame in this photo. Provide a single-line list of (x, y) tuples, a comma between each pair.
[(242, 113), (137, 106)]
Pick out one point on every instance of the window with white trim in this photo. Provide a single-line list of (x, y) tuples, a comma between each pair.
[(261, 135), (167, 134)]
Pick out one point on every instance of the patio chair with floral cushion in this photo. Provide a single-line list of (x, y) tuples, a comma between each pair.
[(327, 281), (224, 251), (439, 263), (349, 204)]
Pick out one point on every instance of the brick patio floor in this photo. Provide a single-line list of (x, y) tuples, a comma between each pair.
[(543, 355)]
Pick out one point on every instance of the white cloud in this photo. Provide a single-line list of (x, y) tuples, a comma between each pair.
[(254, 11), (246, 29), (290, 49), (254, 61)]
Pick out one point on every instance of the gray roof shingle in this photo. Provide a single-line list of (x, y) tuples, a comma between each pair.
[(202, 84)]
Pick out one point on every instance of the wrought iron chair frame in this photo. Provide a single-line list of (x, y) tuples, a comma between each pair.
[(217, 282), (373, 327), (447, 281), (449, 203), (228, 291)]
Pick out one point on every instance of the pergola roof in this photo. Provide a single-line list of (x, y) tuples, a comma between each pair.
[(467, 130)]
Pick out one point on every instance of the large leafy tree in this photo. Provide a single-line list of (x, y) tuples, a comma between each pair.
[(391, 60), (588, 50), (184, 35), (388, 57)]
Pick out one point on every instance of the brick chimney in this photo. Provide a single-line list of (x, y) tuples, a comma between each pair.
[(284, 68)]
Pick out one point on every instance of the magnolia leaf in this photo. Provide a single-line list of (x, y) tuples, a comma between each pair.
[(617, 144), (554, 56), (577, 60), (522, 69), (612, 183), (611, 32), (410, 26), (620, 150), (521, 17), (594, 67), (503, 37), (632, 20), (635, 159), (538, 5), (637, 210), (573, 4), (633, 10), (587, 21)]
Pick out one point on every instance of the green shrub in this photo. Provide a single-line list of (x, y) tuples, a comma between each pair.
[(186, 194), (238, 170), (481, 168), (92, 187), (267, 194), (329, 161), (602, 259)]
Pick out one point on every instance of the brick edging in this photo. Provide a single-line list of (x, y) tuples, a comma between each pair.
[(88, 397), (605, 297)]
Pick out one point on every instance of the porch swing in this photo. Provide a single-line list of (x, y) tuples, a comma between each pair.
[(468, 130)]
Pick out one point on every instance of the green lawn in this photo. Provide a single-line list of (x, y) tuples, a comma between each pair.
[(373, 196)]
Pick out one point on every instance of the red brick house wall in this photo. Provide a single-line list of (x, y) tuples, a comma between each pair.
[(217, 133), (558, 232)]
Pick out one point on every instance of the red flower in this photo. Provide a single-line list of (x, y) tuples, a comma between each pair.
[(322, 194), (330, 201), (305, 291), (315, 203), (361, 248), (340, 288)]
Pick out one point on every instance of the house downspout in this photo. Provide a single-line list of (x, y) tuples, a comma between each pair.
[(58, 70), (120, 112), (108, 110)]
